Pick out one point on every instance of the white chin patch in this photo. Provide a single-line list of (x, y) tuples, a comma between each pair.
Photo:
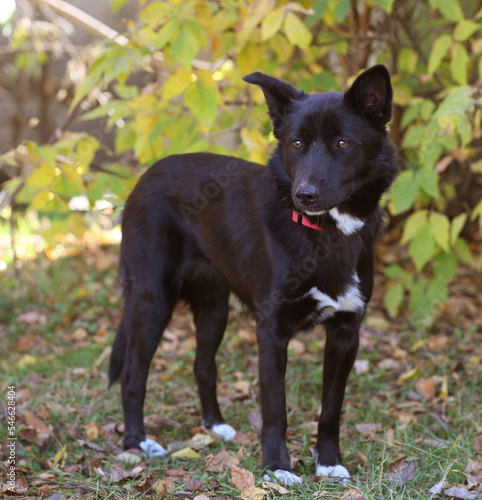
[(346, 223), (225, 431), (337, 471), (284, 477), (151, 449)]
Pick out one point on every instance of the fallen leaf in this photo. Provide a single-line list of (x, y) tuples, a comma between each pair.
[(275, 486), (401, 472), (200, 441), (177, 472), (25, 343), (201, 497), (164, 486), (362, 456), (256, 420), (361, 366), (352, 494), (186, 453), (241, 477), (220, 461), (33, 317), (79, 334), (426, 387), (35, 422), (127, 457), (474, 473), (408, 375), (436, 489), (91, 431), (193, 484), (457, 492), (367, 429), (57, 496), (252, 493)]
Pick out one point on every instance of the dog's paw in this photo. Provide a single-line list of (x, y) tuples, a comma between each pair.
[(335, 471), (284, 477), (151, 448), (225, 431)]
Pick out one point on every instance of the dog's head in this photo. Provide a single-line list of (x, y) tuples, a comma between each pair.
[(332, 144)]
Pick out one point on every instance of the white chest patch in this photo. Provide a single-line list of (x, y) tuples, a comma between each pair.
[(350, 301), (346, 223)]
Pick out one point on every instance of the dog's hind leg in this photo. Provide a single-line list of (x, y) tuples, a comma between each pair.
[(149, 311), (340, 353), (209, 304)]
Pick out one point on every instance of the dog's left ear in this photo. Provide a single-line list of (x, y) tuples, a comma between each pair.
[(278, 94), (371, 95)]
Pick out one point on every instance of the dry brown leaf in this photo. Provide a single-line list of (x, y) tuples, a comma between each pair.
[(35, 422), (201, 497), (164, 486), (401, 472), (367, 429), (275, 486), (458, 492), (241, 477), (193, 484), (426, 387), (25, 343), (177, 472), (256, 421), (352, 494), (474, 473), (362, 456), (79, 334), (220, 461)]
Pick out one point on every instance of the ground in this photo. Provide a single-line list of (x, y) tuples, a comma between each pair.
[(412, 422)]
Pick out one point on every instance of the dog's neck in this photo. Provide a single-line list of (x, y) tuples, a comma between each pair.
[(300, 218)]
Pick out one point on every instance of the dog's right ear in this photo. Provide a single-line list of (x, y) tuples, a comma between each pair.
[(278, 95)]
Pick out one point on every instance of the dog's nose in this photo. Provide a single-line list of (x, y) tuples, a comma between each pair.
[(306, 195)]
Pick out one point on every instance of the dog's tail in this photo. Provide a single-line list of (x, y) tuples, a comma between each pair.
[(118, 354)]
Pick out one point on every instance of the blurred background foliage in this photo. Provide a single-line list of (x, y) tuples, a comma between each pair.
[(84, 120)]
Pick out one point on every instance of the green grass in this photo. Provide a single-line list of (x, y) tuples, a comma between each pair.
[(62, 380)]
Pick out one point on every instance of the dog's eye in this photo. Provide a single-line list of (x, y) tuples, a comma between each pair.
[(342, 144), (297, 144)]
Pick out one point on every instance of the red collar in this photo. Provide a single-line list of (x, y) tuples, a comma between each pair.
[(302, 219)]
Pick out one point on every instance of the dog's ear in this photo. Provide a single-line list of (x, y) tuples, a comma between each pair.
[(371, 95), (278, 95)]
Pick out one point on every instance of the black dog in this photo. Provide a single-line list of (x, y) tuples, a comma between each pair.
[(294, 241)]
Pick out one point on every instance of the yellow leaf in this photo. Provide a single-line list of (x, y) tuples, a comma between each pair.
[(143, 102), (187, 453), (40, 200), (272, 23), (408, 375), (60, 454), (252, 493), (92, 431), (42, 175), (444, 390), (200, 441), (176, 84), (296, 31)]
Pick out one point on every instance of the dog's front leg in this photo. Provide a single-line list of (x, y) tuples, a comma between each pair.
[(272, 350), (340, 353)]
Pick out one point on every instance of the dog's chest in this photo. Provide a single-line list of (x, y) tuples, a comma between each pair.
[(325, 306)]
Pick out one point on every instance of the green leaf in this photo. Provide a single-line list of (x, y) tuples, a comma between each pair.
[(407, 60), (414, 136), (458, 64), (118, 4), (445, 266), (42, 175), (394, 271), (422, 248), (342, 9), (271, 24), (414, 223), (386, 5), (203, 102), (427, 179), (451, 10), (296, 31), (404, 191), (438, 52), (465, 29), (463, 250), (464, 128), (393, 298), (440, 228), (184, 48), (457, 226)]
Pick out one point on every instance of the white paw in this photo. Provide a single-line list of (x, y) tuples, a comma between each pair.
[(333, 471), (150, 448), (225, 431), (284, 477)]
